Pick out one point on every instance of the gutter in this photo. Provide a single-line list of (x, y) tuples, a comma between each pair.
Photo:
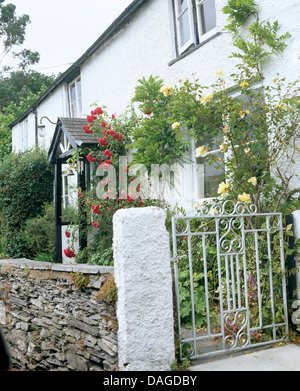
[(118, 24)]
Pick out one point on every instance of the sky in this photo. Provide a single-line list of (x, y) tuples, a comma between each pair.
[(62, 30)]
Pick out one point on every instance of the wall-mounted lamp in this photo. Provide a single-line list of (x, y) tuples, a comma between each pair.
[(41, 126)]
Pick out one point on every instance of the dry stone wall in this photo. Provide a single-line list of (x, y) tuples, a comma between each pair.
[(51, 325)]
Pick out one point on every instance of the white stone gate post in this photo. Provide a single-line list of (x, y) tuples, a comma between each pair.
[(144, 281), (296, 215)]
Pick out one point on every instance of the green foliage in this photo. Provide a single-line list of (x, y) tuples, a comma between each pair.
[(102, 257), (80, 281), (8, 115), (12, 33), (39, 235), (45, 257), (96, 217), (259, 163), (100, 250), (18, 86), (109, 291), (154, 139), (12, 27), (263, 40), (257, 137), (26, 183), (238, 12)]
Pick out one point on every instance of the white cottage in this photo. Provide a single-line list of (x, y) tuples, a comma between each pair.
[(173, 39)]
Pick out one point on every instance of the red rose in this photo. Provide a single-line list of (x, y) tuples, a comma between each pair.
[(103, 142), (129, 199), (103, 124), (87, 129), (68, 234), (98, 111), (95, 209), (95, 224), (91, 118), (148, 111), (69, 253), (90, 158)]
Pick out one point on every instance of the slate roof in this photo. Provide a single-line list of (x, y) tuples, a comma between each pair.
[(73, 129)]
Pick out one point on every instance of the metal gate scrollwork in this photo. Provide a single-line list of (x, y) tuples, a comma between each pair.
[(228, 261)]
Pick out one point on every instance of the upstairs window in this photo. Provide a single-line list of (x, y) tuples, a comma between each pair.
[(75, 98), (195, 21)]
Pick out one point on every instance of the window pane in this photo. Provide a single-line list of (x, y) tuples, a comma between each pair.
[(184, 27), (213, 175), (79, 101), (183, 5), (207, 16), (73, 93)]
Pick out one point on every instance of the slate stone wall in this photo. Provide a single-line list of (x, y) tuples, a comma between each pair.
[(49, 324)]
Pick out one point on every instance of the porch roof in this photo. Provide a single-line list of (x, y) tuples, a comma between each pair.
[(69, 134)]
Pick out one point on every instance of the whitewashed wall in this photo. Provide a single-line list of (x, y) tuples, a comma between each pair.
[(53, 107), (145, 47)]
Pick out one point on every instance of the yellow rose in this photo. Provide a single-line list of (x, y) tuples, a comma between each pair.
[(226, 129), (281, 106), (253, 180), (223, 147), (244, 84), (243, 113), (223, 188), (201, 151), (247, 150), (176, 125), (166, 90), (244, 198), (219, 72), (206, 98)]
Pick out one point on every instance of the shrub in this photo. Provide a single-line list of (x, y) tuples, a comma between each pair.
[(39, 234), (108, 291), (26, 184)]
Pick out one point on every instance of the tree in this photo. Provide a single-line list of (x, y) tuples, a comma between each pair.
[(20, 84), (12, 33), (10, 114)]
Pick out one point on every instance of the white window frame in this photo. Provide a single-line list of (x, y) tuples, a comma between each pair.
[(178, 15), (65, 190), (193, 18), (198, 177), (199, 173), (24, 135), (75, 106), (208, 34)]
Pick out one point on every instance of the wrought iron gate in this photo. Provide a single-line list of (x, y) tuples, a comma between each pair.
[(229, 279)]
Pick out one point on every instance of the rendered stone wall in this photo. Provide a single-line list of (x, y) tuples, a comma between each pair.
[(49, 324), (144, 280)]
